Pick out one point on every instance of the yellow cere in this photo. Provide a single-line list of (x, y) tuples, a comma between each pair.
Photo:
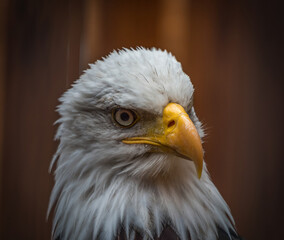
[(174, 131)]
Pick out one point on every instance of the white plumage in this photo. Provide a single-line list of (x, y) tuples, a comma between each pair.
[(103, 184)]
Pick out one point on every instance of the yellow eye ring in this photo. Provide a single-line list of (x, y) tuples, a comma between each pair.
[(124, 117)]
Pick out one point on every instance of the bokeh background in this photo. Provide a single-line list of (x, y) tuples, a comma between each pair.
[(233, 52)]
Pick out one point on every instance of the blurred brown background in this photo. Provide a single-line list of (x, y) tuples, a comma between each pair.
[(233, 52)]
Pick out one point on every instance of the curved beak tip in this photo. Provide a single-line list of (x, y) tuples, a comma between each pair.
[(199, 170), (182, 137)]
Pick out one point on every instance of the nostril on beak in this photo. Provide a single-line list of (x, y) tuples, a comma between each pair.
[(171, 123)]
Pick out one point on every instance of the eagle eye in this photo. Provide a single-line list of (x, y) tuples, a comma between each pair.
[(124, 117)]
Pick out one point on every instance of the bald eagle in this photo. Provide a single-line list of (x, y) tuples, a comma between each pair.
[(129, 164)]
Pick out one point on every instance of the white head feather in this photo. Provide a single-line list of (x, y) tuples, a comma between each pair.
[(102, 184)]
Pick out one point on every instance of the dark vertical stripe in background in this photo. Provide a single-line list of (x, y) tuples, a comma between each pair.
[(233, 52)]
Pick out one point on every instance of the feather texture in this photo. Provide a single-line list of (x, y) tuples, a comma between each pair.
[(103, 185)]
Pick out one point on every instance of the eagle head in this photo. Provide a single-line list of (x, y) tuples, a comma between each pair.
[(130, 154)]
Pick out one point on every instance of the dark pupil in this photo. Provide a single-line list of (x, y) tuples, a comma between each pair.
[(124, 116)]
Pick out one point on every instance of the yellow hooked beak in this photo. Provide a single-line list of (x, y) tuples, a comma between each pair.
[(177, 134)]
